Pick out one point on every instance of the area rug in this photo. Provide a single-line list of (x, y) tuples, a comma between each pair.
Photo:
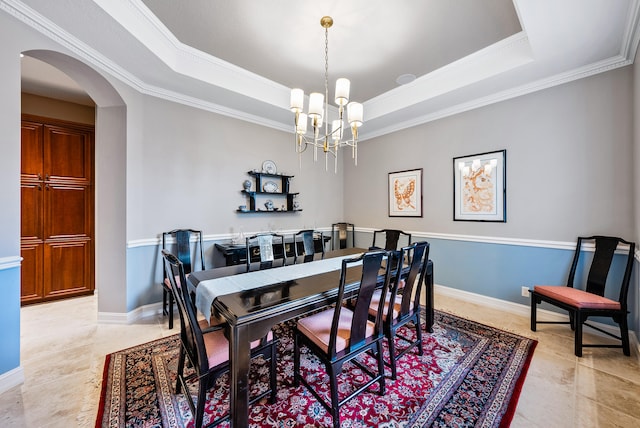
[(469, 376)]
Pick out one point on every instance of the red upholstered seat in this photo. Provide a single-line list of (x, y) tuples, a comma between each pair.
[(578, 298)]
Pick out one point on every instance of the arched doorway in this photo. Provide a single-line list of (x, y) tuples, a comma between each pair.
[(110, 178)]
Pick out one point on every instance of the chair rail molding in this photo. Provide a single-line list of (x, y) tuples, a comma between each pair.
[(10, 262), (150, 242), (522, 242)]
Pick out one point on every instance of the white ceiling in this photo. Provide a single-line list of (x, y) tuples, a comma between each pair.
[(241, 57)]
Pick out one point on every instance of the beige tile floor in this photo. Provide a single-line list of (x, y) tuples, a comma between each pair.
[(63, 350)]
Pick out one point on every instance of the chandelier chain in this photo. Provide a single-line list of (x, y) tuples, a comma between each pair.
[(326, 84)]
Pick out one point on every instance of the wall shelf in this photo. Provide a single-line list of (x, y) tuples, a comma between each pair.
[(269, 187)]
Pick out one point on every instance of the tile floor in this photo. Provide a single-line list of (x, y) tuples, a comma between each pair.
[(63, 351)]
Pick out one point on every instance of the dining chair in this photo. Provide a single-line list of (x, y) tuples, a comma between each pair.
[(391, 238), (402, 303), (183, 252), (340, 233), (207, 349), (304, 245), (581, 304), (340, 334), (266, 248)]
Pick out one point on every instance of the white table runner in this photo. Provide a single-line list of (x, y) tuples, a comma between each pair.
[(208, 290)]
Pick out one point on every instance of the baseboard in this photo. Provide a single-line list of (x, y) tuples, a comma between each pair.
[(11, 379), (130, 317), (525, 310)]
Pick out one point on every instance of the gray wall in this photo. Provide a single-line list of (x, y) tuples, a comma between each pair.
[(569, 164), (186, 168)]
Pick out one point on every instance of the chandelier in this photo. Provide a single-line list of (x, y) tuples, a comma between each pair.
[(318, 114)]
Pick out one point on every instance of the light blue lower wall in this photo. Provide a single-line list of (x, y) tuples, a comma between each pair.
[(144, 272), (497, 270), (10, 319), (143, 276)]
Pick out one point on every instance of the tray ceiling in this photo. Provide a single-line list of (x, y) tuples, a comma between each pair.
[(241, 57)]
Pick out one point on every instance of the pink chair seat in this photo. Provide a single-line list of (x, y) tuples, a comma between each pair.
[(168, 283), (375, 302), (317, 327), (218, 346), (578, 298)]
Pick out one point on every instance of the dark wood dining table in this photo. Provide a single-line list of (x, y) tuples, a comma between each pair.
[(250, 314)]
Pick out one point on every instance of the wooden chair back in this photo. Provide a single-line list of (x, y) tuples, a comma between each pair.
[(391, 238), (371, 266), (340, 233), (304, 245), (183, 246), (605, 247), (416, 256), (190, 332), (266, 248)]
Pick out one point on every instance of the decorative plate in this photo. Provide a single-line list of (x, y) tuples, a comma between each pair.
[(270, 187), (269, 167)]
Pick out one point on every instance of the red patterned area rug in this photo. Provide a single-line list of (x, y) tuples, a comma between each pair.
[(469, 376)]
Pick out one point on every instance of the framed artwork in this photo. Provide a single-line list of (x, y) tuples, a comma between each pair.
[(480, 187), (405, 193)]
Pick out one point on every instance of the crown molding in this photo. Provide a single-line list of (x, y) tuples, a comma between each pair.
[(52, 31), (185, 60), (539, 85)]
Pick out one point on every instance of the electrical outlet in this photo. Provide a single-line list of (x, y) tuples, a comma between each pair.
[(524, 291)]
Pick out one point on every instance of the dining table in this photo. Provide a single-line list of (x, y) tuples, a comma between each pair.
[(252, 303)]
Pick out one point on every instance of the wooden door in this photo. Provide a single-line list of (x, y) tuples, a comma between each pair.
[(57, 219)]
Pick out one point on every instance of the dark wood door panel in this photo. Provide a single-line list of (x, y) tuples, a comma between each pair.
[(31, 160), (68, 211), (57, 203), (31, 271), (31, 194), (67, 154), (68, 268)]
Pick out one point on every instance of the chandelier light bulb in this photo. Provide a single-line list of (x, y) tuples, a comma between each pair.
[(355, 114), (342, 91), (316, 104), (297, 100), (301, 128)]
